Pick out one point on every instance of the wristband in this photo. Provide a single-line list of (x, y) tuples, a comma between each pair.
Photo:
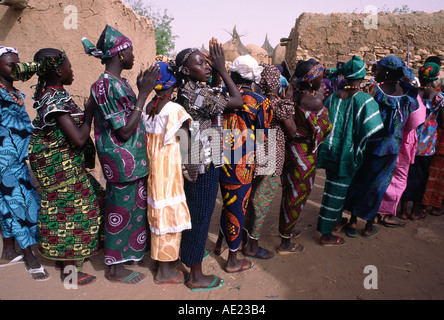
[(137, 109)]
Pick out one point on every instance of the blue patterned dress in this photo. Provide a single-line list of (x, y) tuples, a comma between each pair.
[(19, 202)]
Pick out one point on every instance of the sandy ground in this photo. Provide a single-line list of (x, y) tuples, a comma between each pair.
[(409, 265)]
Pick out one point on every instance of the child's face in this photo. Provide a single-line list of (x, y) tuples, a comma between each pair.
[(66, 73), (197, 67), (7, 61)]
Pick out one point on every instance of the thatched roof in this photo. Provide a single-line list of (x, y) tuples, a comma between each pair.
[(234, 47), (267, 46)]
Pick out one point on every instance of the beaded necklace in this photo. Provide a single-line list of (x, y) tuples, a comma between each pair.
[(18, 101), (352, 88)]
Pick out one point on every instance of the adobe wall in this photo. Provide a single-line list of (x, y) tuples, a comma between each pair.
[(45, 24), (336, 37)]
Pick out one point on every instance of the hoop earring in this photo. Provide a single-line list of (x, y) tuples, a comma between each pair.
[(120, 57)]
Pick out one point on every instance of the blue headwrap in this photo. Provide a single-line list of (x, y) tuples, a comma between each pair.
[(395, 63), (166, 77)]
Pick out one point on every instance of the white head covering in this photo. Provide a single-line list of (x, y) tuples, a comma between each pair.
[(4, 50), (247, 67)]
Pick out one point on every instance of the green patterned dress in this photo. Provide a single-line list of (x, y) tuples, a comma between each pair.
[(72, 201)]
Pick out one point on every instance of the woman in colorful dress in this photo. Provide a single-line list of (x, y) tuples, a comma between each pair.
[(270, 155), (397, 100), (240, 135), (434, 193), (312, 128), (19, 201), (427, 136), (205, 103), (121, 146), (355, 118), (72, 201), (168, 213)]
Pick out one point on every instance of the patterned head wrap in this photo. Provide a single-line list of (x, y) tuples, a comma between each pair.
[(313, 73), (114, 42), (25, 70), (247, 67), (395, 63), (4, 50), (166, 77), (270, 78), (429, 71)]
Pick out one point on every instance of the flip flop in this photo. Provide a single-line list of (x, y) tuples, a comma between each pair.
[(243, 267), (129, 278), (212, 285), (87, 276), (206, 254), (371, 235), (14, 261), (32, 272), (334, 244), (260, 254), (172, 281), (293, 249)]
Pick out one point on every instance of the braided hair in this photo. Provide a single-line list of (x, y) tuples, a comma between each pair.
[(49, 59)]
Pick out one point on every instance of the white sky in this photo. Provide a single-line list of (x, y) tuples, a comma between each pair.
[(196, 21)]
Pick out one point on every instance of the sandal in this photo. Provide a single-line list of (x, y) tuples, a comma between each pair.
[(35, 272), (172, 281), (129, 279), (216, 284), (295, 248), (243, 267), (339, 242), (260, 254)]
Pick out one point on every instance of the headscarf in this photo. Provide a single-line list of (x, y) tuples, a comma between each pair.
[(395, 63), (166, 77), (247, 67), (313, 73), (114, 42), (25, 70), (354, 68), (270, 78), (4, 50), (429, 71)]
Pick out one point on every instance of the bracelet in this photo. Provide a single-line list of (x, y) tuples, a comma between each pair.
[(137, 109)]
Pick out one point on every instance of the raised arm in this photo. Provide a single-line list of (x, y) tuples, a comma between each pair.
[(145, 83), (218, 63)]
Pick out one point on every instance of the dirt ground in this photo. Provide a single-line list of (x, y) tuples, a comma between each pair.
[(409, 266)]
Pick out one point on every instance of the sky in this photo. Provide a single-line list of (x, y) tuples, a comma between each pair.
[(196, 21)]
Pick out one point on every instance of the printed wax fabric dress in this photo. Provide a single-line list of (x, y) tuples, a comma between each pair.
[(374, 176), (125, 167), (300, 165), (72, 201), (19, 202), (167, 206), (237, 173)]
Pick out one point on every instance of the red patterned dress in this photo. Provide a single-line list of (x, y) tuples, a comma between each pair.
[(300, 165)]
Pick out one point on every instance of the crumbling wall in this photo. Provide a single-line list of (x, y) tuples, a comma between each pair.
[(335, 37), (61, 24)]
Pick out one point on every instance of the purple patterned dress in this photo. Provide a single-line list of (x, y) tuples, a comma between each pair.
[(125, 167)]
